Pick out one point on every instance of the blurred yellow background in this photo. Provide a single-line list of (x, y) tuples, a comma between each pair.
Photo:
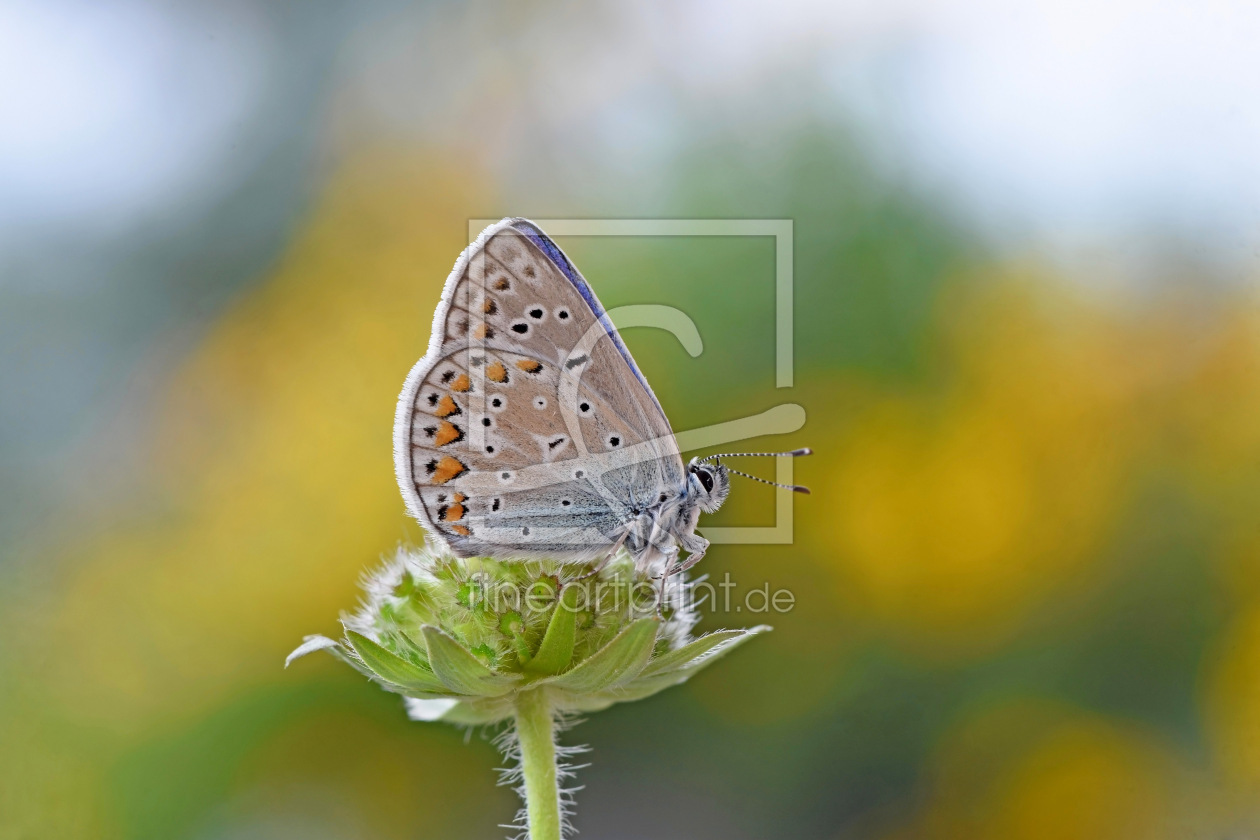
[(1027, 341)]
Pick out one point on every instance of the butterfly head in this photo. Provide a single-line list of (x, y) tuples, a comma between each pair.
[(709, 480), (708, 484)]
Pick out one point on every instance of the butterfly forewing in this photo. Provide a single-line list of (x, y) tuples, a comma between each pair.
[(527, 430)]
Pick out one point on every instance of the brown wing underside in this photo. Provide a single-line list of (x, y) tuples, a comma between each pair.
[(525, 390)]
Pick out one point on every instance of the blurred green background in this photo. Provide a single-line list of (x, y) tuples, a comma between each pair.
[(1027, 239)]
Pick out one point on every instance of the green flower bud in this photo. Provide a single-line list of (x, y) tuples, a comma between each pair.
[(460, 639), (479, 641)]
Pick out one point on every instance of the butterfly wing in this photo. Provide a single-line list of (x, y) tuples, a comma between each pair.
[(527, 429)]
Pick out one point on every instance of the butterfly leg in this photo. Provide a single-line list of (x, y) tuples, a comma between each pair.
[(669, 570), (658, 551), (599, 567), (696, 547)]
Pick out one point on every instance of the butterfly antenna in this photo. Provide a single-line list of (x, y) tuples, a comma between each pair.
[(795, 453), (793, 487)]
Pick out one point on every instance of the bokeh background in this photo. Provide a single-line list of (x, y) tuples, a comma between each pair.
[(1027, 246)]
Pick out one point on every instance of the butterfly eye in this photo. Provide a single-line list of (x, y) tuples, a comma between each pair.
[(706, 480)]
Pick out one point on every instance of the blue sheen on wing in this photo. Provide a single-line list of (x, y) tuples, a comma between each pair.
[(561, 262)]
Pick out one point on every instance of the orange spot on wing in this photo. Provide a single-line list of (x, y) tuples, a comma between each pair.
[(529, 365), (482, 332), (461, 530), (460, 498), (489, 307), (451, 513), (448, 468), (495, 372), (461, 383), (447, 433), (446, 407)]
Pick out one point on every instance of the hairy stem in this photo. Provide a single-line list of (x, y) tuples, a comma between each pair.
[(536, 730)]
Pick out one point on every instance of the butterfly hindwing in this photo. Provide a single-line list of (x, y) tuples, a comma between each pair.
[(527, 429)]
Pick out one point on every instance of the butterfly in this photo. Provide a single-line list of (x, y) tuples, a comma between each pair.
[(528, 431)]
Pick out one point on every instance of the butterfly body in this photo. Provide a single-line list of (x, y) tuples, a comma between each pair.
[(527, 430)]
